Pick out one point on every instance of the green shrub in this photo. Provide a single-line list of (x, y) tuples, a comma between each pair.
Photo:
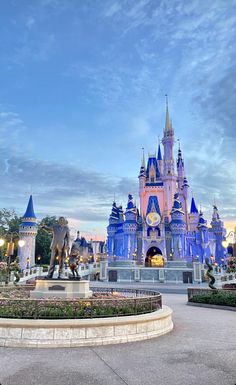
[(218, 297)]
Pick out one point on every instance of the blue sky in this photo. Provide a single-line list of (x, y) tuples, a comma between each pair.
[(82, 87)]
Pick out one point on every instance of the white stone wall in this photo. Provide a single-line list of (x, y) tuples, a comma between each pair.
[(87, 332)]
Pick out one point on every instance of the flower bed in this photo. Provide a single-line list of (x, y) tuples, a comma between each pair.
[(16, 303)]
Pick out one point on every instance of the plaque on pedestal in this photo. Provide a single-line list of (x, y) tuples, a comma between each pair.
[(63, 288)]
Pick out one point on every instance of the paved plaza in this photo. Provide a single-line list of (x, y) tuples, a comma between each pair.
[(200, 350)]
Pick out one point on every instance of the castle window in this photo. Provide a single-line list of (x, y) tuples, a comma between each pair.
[(152, 179)]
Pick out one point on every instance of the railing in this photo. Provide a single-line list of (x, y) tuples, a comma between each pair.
[(106, 303), (38, 271)]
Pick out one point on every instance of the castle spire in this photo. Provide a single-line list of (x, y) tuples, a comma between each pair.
[(193, 209), (143, 167), (159, 156), (143, 158), (168, 125), (30, 209)]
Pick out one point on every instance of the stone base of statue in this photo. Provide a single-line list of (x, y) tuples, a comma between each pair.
[(61, 288)]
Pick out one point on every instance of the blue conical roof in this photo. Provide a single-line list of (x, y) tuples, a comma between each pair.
[(30, 209), (193, 209), (202, 223), (159, 157)]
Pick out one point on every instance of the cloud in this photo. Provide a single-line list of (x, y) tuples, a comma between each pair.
[(60, 188)]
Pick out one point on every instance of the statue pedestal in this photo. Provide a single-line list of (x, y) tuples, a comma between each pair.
[(63, 288)]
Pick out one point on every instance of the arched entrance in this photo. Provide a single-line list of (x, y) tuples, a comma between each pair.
[(154, 257)]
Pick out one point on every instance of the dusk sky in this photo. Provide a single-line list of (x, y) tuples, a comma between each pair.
[(82, 90)]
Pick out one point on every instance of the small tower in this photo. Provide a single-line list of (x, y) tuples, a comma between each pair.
[(193, 216), (139, 239), (185, 189), (27, 233), (178, 229), (142, 180), (159, 160), (217, 227), (119, 234), (130, 228), (112, 229), (180, 169), (202, 238)]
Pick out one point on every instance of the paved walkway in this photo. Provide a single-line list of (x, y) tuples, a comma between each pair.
[(200, 350)]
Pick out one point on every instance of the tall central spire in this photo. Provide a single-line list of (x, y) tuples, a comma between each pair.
[(168, 125)]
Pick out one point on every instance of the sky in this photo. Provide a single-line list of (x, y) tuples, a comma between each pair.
[(82, 90)]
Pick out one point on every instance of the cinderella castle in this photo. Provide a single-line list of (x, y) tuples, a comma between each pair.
[(167, 225)]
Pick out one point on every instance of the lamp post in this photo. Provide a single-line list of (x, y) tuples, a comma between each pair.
[(225, 242), (10, 251)]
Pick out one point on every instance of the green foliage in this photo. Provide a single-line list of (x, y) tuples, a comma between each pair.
[(9, 222), (219, 297), (43, 239)]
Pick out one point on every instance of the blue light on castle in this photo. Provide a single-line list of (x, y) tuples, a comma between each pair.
[(164, 227)]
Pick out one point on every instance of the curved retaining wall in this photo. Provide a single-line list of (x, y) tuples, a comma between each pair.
[(84, 332)]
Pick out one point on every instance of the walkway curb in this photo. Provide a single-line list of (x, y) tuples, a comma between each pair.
[(211, 306)]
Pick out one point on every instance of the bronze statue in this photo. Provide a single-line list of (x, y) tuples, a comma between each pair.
[(73, 261), (59, 245)]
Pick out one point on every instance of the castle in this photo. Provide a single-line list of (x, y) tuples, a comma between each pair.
[(164, 228)]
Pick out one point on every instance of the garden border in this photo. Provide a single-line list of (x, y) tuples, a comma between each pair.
[(84, 332)]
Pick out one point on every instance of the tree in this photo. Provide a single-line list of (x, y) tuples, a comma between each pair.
[(43, 240), (9, 223)]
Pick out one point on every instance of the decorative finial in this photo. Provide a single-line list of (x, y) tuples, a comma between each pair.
[(143, 158), (178, 140), (166, 96)]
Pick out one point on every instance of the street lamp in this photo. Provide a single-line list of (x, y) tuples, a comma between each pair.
[(225, 243), (21, 243), (10, 251), (2, 241)]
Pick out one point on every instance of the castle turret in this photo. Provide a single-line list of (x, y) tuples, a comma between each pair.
[(139, 239), (185, 189), (203, 238), (178, 229), (27, 233), (193, 216), (217, 227), (160, 160), (130, 228), (112, 229), (180, 170), (142, 180)]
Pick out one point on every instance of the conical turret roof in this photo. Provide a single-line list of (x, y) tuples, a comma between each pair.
[(30, 209), (193, 209)]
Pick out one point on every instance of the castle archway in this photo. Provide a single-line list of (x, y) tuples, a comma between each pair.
[(154, 257)]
